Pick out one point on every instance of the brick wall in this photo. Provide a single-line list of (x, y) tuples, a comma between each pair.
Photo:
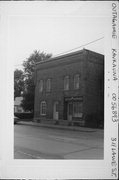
[(94, 93), (90, 67), (57, 74)]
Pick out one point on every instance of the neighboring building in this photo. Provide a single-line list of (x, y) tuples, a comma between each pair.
[(71, 88), (17, 105)]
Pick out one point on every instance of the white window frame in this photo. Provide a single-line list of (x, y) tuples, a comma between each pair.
[(48, 85), (41, 85), (66, 83), (42, 111), (76, 81)]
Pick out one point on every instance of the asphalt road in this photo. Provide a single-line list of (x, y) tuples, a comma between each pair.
[(32, 142)]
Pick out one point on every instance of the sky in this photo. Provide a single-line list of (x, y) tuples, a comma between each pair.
[(57, 32)]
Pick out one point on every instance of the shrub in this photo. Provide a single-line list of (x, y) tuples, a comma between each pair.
[(24, 115)]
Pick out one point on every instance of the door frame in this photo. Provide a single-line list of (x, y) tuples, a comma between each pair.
[(69, 117), (55, 112)]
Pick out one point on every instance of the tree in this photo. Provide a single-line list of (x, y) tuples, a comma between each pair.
[(28, 95), (30, 63), (29, 67), (18, 83)]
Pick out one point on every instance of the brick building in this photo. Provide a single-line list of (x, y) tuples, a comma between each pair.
[(69, 89)]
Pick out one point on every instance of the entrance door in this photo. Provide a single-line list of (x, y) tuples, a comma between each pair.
[(70, 111), (55, 111), (74, 110), (77, 109)]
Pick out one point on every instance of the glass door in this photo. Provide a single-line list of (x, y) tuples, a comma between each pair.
[(70, 111)]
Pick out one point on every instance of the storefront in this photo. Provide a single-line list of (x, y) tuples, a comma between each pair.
[(73, 107)]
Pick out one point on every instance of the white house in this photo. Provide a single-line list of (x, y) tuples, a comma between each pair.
[(17, 105)]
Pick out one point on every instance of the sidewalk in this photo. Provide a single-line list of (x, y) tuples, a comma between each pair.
[(74, 128)]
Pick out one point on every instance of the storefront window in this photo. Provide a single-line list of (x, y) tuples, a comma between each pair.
[(77, 109)]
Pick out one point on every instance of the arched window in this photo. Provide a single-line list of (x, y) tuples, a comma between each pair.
[(48, 85), (66, 83), (41, 86), (76, 81), (43, 108)]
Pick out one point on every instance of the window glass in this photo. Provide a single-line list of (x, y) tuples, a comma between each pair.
[(66, 83), (76, 81), (48, 85), (57, 107), (70, 108), (41, 86), (43, 108), (77, 109)]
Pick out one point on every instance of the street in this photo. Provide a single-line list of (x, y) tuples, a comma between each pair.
[(32, 142)]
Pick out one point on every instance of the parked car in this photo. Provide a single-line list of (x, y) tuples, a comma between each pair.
[(16, 119)]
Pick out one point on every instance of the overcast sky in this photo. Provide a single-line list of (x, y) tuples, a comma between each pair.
[(56, 30)]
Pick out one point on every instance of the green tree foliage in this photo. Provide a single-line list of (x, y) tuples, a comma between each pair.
[(29, 67), (18, 83)]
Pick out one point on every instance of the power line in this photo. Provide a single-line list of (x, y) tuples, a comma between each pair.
[(18, 64), (73, 48), (79, 47)]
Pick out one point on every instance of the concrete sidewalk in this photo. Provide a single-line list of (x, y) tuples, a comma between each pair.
[(74, 128)]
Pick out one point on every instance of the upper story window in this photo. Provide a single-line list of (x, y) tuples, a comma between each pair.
[(43, 108), (66, 83), (76, 81), (41, 86), (48, 85)]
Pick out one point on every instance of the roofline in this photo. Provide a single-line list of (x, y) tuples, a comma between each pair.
[(67, 55), (60, 56)]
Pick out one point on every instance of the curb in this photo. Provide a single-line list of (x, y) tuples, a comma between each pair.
[(81, 129)]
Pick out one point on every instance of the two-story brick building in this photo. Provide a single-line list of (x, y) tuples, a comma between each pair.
[(70, 88)]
